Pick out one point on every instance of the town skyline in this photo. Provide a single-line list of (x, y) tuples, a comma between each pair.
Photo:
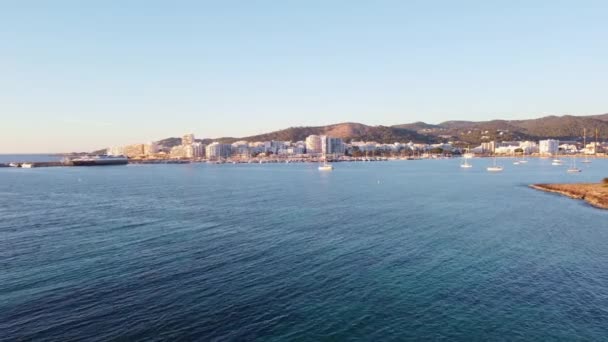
[(413, 125)]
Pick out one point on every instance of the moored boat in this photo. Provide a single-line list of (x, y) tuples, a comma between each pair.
[(494, 167), (100, 160)]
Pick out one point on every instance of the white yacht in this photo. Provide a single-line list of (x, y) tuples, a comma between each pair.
[(494, 167), (326, 166), (573, 168), (465, 164), (556, 162)]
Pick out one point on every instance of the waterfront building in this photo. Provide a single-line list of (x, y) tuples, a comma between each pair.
[(332, 146), (115, 151), (241, 149), (529, 147), (150, 148), (256, 148), (592, 148), (488, 147), (217, 150), (134, 151), (365, 146), (313, 144), (196, 151), (548, 146), (188, 139), (569, 148), (298, 148), (178, 152), (446, 147)]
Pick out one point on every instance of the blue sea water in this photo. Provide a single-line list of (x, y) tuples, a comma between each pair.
[(385, 251), (20, 158)]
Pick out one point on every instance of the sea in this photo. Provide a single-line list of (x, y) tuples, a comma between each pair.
[(371, 251), (23, 158)]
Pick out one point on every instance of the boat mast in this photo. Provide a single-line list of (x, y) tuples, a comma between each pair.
[(595, 147)]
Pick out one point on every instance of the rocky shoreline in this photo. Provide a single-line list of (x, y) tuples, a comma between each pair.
[(596, 194)]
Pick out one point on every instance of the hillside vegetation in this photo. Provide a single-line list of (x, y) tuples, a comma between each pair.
[(565, 127)]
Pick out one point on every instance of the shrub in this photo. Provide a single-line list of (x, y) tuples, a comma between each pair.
[(605, 181)]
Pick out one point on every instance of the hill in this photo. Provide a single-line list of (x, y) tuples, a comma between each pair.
[(565, 127), (348, 131)]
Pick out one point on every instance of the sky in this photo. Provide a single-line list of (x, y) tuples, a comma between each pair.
[(83, 75)]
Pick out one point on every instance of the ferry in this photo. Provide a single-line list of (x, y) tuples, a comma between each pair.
[(27, 165), (100, 160)]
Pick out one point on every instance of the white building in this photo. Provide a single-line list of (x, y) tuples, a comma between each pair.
[(529, 147), (313, 144), (196, 150), (549, 146), (188, 139), (488, 147), (178, 152), (150, 148), (217, 150), (241, 149), (116, 151)]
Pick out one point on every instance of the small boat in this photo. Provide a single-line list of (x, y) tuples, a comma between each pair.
[(556, 162), (326, 166), (516, 162), (13, 164), (27, 165), (573, 168), (465, 164), (494, 167), (586, 160)]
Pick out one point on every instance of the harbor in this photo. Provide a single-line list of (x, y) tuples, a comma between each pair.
[(91, 161)]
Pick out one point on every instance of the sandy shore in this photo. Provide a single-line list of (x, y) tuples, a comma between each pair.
[(595, 194)]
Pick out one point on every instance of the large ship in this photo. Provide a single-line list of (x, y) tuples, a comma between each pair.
[(100, 160)]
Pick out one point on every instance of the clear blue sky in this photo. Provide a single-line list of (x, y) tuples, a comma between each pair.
[(79, 75)]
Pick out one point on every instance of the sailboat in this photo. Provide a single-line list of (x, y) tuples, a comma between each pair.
[(465, 157), (586, 160), (573, 168), (326, 166), (556, 161), (517, 161), (523, 159), (494, 167)]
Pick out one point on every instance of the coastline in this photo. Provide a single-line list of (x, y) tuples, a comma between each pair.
[(595, 194)]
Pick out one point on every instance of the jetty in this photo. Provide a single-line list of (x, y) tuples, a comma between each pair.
[(596, 194)]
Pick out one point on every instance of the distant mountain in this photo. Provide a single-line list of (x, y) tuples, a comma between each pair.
[(565, 127), (348, 131)]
